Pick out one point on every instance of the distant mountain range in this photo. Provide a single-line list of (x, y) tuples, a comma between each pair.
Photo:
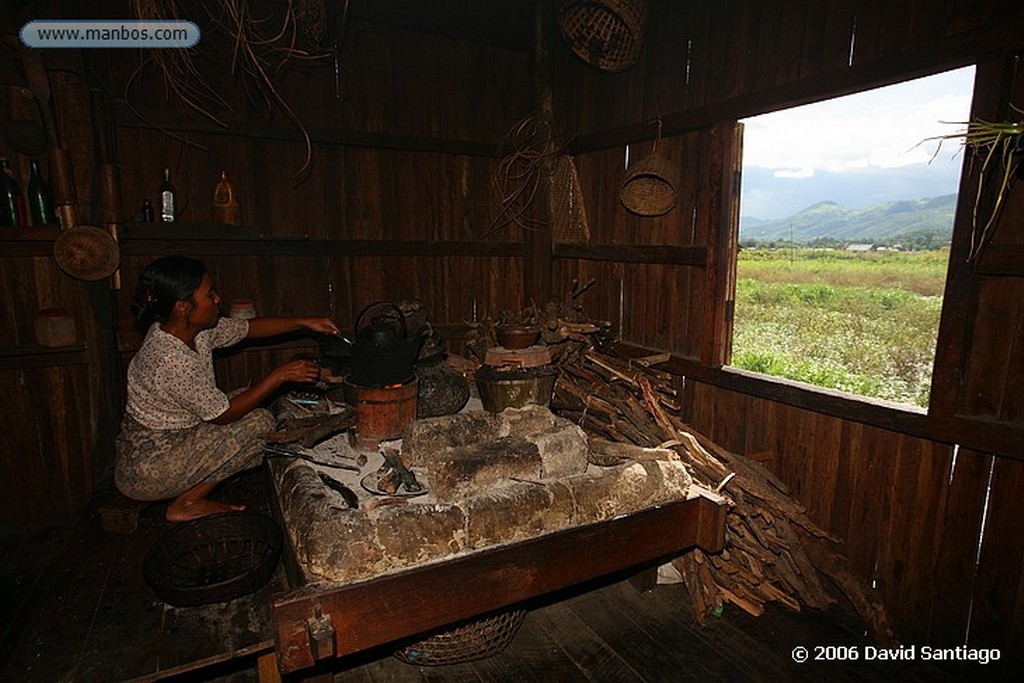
[(882, 223)]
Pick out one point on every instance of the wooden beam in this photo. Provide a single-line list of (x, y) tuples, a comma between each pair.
[(537, 268), (939, 55), (634, 253), (24, 357), (1000, 438), (150, 120), (215, 239), (1002, 260)]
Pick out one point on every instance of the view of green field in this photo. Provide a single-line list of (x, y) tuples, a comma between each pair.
[(859, 322)]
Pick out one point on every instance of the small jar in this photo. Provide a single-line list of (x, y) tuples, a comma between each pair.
[(55, 328), (242, 308)]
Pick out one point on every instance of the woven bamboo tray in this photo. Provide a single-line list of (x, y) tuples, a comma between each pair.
[(213, 559)]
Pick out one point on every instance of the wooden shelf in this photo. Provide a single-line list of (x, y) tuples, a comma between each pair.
[(31, 241), (35, 356), (148, 239)]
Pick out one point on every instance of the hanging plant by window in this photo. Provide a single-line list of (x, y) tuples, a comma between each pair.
[(999, 147)]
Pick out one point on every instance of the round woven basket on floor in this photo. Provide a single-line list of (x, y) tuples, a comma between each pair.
[(473, 640), (213, 559), (650, 186), (607, 34)]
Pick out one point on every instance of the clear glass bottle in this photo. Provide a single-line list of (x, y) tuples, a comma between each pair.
[(168, 199), (40, 200)]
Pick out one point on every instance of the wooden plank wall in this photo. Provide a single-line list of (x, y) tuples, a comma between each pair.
[(53, 400), (403, 152), (410, 89), (931, 522)]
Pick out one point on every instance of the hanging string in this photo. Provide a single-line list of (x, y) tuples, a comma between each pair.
[(657, 136)]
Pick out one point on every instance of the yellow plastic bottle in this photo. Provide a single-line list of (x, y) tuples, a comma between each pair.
[(226, 208)]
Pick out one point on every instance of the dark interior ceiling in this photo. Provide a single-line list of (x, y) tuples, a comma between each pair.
[(502, 23)]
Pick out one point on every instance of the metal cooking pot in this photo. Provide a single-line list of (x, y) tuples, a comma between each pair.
[(383, 352)]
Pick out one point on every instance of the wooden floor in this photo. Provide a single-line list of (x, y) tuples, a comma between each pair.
[(76, 609)]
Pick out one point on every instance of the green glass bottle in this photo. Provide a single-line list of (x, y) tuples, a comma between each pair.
[(12, 203), (40, 200)]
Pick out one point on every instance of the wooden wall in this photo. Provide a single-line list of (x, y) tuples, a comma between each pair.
[(925, 503), (397, 200), (392, 205)]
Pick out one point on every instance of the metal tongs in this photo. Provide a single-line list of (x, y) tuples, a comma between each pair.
[(308, 456)]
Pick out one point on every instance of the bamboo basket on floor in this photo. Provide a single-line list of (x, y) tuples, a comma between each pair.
[(607, 34), (473, 640)]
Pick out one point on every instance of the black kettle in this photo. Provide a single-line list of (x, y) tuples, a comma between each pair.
[(383, 353)]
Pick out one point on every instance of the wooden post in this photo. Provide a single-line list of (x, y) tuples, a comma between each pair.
[(538, 260)]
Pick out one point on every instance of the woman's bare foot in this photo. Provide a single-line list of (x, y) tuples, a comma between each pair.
[(194, 504), (197, 509)]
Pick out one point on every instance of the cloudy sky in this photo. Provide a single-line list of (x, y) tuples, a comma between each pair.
[(857, 150)]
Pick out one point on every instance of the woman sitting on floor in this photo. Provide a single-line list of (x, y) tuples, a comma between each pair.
[(181, 435)]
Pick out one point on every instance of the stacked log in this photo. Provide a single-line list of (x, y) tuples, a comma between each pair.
[(773, 551)]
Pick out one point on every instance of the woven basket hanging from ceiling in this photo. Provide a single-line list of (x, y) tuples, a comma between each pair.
[(650, 187), (607, 34)]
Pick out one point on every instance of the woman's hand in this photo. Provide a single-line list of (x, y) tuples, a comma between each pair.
[(303, 371), (322, 325), (297, 371)]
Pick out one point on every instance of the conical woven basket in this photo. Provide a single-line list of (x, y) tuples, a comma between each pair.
[(650, 187), (570, 224)]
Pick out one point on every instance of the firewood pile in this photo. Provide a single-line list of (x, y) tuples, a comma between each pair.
[(773, 551)]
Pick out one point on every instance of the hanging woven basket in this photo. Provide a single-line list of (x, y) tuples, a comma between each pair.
[(650, 187), (607, 34), (86, 253)]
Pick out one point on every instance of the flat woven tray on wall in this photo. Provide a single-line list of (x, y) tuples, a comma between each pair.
[(471, 641), (607, 34)]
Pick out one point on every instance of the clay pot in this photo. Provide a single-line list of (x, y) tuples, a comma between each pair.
[(516, 336)]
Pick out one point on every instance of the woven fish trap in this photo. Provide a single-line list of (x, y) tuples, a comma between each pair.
[(471, 641), (650, 187), (607, 34), (570, 224)]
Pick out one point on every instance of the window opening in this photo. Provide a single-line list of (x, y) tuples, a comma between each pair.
[(846, 215)]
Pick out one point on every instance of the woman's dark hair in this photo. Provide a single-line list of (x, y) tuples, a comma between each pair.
[(162, 284)]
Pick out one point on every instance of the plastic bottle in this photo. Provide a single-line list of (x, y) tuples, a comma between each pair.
[(13, 209), (168, 199), (226, 208), (40, 200)]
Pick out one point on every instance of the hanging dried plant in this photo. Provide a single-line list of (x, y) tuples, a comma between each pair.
[(1000, 148)]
